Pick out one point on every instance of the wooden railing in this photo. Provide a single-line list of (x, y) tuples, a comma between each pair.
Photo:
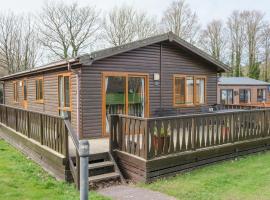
[(154, 137), (75, 169), (242, 106), (46, 129)]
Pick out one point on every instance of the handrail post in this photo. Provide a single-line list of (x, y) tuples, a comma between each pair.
[(84, 157)]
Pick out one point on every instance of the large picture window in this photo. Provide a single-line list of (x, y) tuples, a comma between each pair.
[(189, 90), (244, 96), (39, 90), (226, 96), (261, 95)]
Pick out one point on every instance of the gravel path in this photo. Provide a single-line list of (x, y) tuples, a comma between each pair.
[(125, 192)]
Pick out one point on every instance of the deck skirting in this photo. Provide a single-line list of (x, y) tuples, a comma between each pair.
[(141, 170), (51, 161)]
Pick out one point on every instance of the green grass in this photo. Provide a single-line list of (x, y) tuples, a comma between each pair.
[(247, 179), (22, 179)]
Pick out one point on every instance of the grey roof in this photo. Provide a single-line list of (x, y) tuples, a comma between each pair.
[(88, 59), (98, 55), (240, 81)]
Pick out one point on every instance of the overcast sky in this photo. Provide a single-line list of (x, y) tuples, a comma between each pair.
[(206, 9)]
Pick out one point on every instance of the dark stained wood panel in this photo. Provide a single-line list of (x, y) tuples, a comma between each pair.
[(50, 105), (166, 59)]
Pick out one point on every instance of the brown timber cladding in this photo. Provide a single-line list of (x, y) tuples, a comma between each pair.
[(50, 104), (164, 58)]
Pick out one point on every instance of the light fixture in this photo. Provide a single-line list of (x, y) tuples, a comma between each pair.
[(156, 77)]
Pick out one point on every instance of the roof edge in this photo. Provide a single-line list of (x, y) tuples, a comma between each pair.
[(47, 67)]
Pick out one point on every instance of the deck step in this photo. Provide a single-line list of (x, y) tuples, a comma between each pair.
[(98, 165), (103, 177)]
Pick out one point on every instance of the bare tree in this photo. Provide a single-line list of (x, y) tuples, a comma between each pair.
[(266, 50), (236, 28), (145, 26), (118, 25), (181, 20), (213, 39), (253, 27), (125, 24), (67, 30), (19, 46)]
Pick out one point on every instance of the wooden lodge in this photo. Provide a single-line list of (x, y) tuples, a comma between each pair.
[(243, 90), (156, 99)]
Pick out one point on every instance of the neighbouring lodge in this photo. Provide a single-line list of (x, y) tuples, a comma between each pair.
[(158, 76), (243, 90)]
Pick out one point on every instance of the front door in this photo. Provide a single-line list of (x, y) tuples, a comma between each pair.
[(124, 93)]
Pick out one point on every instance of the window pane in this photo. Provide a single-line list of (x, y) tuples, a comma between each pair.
[(40, 89), (200, 94), (67, 91), (227, 96), (60, 92), (261, 97), (37, 97), (244, 96), (25, 90), (115, 90), (190, 90), (15, 93), (136, 96), (223, 96), (230, 97), (179, 90)]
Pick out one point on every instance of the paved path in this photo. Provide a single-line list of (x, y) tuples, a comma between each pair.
[(125, 192)]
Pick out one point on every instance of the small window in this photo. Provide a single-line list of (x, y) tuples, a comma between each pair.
[(261, 95), (64, 104), (226, 96), (15, 91), (39, 89), (244, 96), (189, 90)]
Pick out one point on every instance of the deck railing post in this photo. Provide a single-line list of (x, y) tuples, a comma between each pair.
[(119, 133), (41, 129), (28, 124), (16, 119), (193, 133), (146, 142), (264, 124), (84, 157), (6, 117)]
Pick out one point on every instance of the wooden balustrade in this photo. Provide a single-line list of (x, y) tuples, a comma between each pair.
[(154, 137), (46, 129)]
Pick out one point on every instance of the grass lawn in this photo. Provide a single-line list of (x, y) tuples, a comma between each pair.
[(22, 179), (245, 179)]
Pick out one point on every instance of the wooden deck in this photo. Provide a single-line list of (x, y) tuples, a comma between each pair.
[(147, 149), (52, 142)]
